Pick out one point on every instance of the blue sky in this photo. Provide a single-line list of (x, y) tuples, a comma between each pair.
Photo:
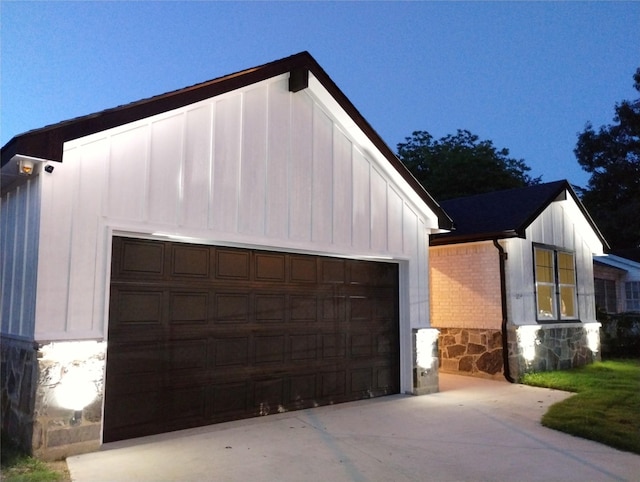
[(527, 76)]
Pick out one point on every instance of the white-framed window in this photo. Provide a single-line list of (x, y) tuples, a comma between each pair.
[(555, 283), (632, 295)]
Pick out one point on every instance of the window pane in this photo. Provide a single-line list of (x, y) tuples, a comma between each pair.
[(544, 265), (632, 289), (546, 301), (566, 269), (567, 302)]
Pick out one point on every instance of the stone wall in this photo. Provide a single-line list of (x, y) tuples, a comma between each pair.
[(540, 348), (19, 374), (468, 351), (52, 396)]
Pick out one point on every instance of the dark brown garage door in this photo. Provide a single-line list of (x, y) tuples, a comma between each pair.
[(203, 334)]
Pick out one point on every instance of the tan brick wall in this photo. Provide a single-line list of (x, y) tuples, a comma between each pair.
[(465, 286)]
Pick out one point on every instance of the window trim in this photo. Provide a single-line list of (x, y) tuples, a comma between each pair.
[(558, 318)]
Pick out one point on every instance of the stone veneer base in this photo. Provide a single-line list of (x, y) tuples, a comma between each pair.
[(471, 351), (557, 347), (31, 414)]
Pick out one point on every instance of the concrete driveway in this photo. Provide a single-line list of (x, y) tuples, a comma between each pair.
[(473, 430)]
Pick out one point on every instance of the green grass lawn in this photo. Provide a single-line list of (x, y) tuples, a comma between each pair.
[(606, 407), (17, 467)]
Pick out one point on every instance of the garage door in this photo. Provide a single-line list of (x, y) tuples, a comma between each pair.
[(204, 334)]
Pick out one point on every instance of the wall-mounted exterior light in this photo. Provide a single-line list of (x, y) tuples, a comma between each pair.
[(26, 167)]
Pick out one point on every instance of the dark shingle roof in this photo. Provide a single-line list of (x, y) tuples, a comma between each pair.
[(503, 214)]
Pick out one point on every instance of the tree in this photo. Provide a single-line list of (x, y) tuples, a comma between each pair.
[(461, 165), (612, 156)]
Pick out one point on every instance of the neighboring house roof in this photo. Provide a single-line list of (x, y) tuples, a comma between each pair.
[(632, 268), (47, 142), (504, 214)]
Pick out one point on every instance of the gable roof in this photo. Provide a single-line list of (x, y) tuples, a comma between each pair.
[(47, 142), (619, 263), (504, 214)]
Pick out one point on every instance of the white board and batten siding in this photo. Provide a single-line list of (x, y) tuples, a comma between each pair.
[(257, 167), (20, 216), (561, 225)]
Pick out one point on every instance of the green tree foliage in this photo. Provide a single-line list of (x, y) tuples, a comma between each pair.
[(612, 157), (461, 165)]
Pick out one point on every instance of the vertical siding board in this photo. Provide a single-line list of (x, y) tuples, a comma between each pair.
[(410, 226), (322, 189), (19, 254), (54, 269), (361, 201), (128, 174), (422, 259), (165, 170), (279, 127), (378, 212), (6, 261), (254, 162), (394, 221), (90, 162), (342, 189), (197, 167), (226, 172), (300, 183)]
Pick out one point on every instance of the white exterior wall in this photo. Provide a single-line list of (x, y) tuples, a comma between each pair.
[(260, 167), (564, 226), (19, 216)]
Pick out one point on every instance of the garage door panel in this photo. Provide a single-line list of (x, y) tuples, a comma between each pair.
[(333, 308), (192, 262), (139, 306), (232, 264), (138, 259), (303, 347), (129, 359), (361, 345), (135, 409), (269, 349), (217, 334), (304, 269), (185, 403), (230, 351), (187, 355), (189, 307), (268, 396), (333, 384), (270, 307), (303, 308), (270, 267), (361, 380), (334, 345), (333, 271), (228, 400), (232, 307), (303, 388)]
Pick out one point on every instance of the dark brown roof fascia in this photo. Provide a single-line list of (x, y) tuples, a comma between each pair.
[(436, 240)]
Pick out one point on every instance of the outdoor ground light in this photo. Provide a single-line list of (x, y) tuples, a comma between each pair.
[(76, 390)]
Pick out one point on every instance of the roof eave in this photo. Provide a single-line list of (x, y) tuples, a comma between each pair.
[(446, 239)]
